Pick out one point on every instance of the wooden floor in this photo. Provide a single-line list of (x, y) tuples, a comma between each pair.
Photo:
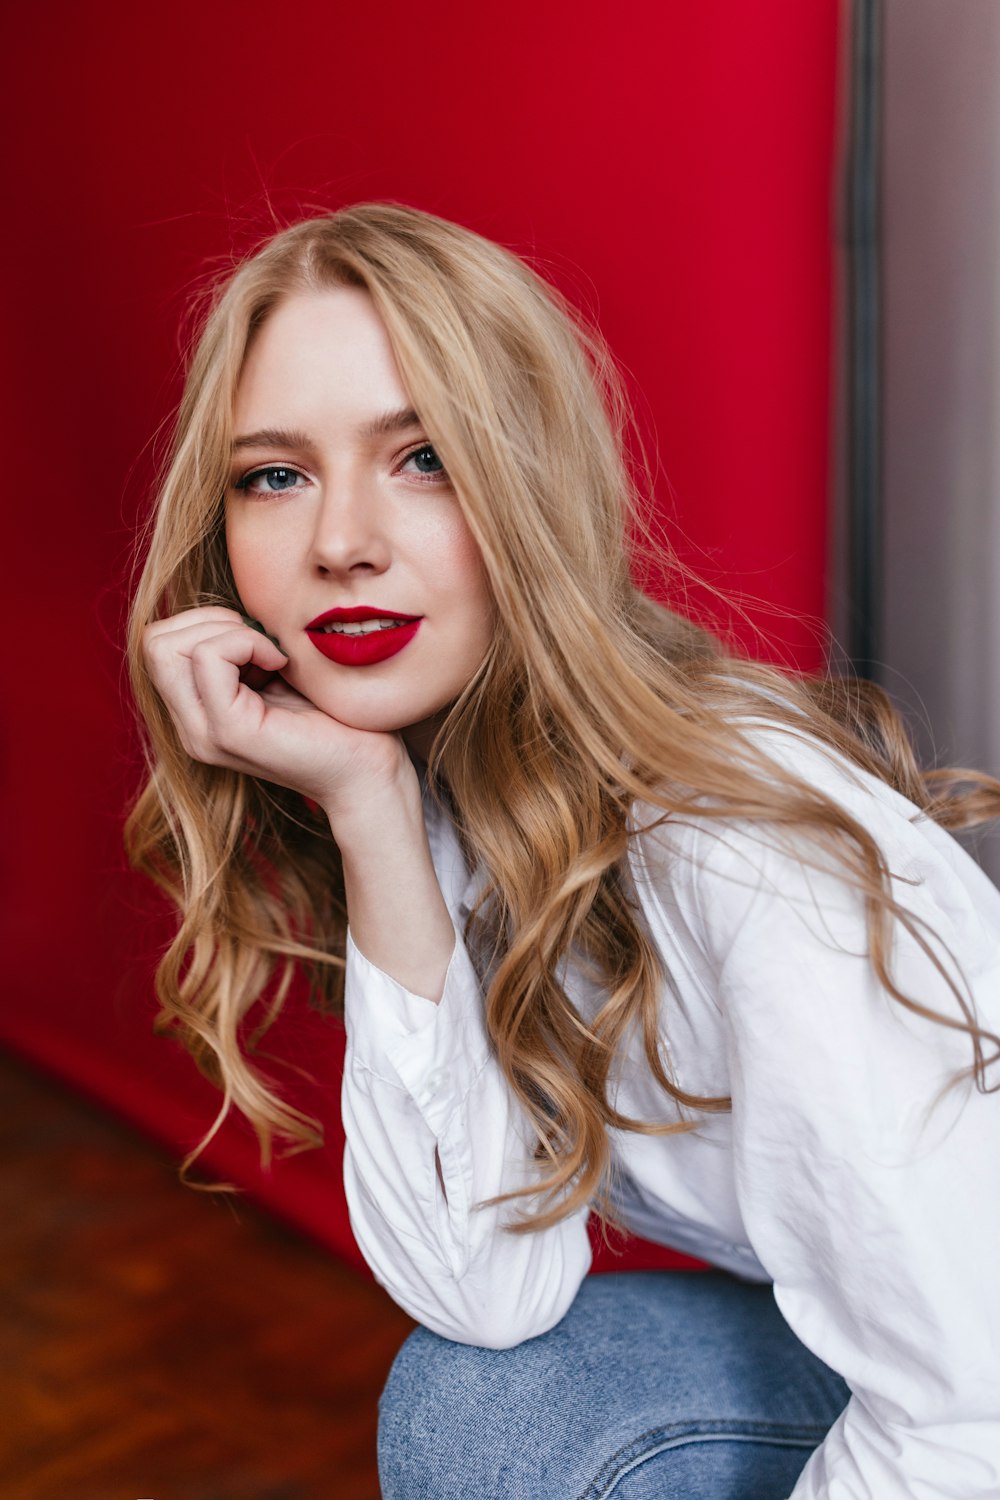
[(160, 1344)]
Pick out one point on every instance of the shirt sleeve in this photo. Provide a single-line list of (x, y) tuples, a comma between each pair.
[(433, 1131), (867, 1188)]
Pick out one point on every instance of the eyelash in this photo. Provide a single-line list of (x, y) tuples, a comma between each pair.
[(248, 479), (436, 477)]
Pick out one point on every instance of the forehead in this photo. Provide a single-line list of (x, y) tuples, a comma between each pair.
[(323, 354)]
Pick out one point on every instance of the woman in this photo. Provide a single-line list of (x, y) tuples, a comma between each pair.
[(633, 923)]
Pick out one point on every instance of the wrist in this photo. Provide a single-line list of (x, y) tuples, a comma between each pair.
[(369, 809)]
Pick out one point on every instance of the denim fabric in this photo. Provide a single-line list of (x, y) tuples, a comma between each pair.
[(655, 1386)]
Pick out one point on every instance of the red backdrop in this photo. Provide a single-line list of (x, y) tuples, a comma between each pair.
[(669, 165)]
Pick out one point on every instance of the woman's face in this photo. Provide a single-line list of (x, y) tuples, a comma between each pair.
[(345, 537)]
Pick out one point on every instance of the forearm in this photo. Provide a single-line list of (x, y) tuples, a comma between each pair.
[(433, 1133), (433, 1129), (397, 915)]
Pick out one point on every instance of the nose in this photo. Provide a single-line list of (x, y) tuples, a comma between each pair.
[(349, 535)]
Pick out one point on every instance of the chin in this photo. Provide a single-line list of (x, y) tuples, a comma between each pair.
[(372, 713), (378, 707), (373, 719)]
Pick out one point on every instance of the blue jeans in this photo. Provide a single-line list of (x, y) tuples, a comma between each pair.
[(656, 1385)]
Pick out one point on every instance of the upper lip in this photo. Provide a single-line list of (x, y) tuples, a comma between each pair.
[(358, 612)]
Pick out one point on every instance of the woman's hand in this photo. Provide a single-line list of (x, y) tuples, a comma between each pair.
[(196, 659), (363, 780)]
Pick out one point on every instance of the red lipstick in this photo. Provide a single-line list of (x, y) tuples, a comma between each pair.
[(362, 650)]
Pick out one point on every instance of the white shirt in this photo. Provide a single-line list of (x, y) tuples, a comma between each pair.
[(876, 1216)]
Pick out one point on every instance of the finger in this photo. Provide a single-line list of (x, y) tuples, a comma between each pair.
[(283, 695), (163, 645), (171, 658), (167, 645), (216, 665), (168, 661), (201, 615), (167, 652), (276, 694), (172, 675)]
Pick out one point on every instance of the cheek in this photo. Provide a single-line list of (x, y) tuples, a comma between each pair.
[(240, 559), (256, 565), (481, 609), (468, 571)]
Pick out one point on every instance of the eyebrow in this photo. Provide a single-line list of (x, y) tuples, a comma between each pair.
[(282, 437), (392, 421)]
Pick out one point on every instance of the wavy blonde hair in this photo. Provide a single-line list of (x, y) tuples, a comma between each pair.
[(592, 698)]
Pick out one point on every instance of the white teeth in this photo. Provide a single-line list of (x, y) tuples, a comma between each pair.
[(360, 627)]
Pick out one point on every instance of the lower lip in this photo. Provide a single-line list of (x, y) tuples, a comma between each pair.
[(363, 650)]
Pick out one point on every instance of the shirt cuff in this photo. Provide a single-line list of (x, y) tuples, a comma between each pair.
[(433, 1051)]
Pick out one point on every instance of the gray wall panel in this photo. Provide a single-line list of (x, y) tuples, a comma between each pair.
[(940, 646)]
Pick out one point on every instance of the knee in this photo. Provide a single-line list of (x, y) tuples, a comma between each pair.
[(460, 1421), (448, 1420)]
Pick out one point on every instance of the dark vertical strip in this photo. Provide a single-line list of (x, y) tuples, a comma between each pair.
[(864, 354)]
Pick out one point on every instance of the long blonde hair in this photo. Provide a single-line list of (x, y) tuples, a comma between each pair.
[(592, 698)]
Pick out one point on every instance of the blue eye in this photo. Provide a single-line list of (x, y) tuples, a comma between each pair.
[(425, 460), (277, 479)]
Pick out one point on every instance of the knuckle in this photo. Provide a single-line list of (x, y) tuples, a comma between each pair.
[(198, 748), (223, 743), (152, 645)]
